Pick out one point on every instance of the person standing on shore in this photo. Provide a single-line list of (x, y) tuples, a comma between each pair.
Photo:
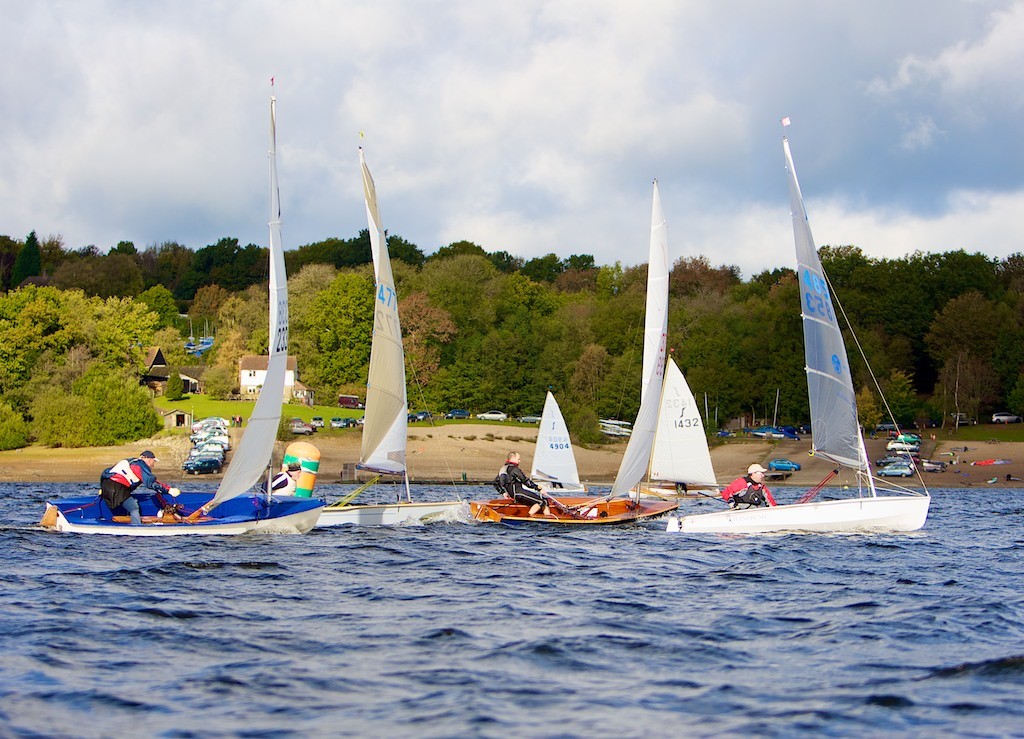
[(119, 481)]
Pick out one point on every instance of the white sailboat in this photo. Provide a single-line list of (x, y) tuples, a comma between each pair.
[(681, 459), (385, 429), (235, 508), (623, 504), (835, 428), (554, 463)]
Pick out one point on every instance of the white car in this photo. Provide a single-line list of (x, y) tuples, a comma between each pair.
[(1005, 418), (492, 416), (902, 446)]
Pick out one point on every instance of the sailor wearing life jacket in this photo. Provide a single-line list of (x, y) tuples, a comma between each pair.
[(119, 481), (514, 483), (749, 491)]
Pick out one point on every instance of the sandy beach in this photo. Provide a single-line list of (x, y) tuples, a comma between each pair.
[(473, 453)]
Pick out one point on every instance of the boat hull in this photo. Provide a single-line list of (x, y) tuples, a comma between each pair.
[(392, 514), (883, 513), (241, 515), (588, 511)]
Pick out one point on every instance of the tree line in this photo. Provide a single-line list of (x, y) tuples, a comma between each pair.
[(941, 333)]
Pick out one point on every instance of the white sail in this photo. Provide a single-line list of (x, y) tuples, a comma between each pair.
[(656, 313), (254, 452), (386, 427), (681, 447), (835, 428), (637, 459), (553, 458)]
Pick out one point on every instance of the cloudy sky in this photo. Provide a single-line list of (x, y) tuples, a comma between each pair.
[(532, 126)]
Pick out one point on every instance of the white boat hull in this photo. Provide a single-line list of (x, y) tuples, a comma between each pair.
[(393, 514), (883, 513)]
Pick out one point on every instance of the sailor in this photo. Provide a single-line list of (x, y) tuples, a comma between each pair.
[(514, 484), (749, 491), (118, 482), (285, 481)]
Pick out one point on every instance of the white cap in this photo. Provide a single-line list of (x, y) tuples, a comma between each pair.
[(755, 468)]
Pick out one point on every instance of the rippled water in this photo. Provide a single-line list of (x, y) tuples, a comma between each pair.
[(468, 629)]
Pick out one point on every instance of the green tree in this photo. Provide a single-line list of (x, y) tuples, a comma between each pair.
[(160, 300), (13, 429), (175, 385), (220, 382), (28, 263)]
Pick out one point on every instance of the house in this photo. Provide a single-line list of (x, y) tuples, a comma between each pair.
[(252, 371), (155, 374)]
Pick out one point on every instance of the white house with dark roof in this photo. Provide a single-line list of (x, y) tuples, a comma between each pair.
[(252, 373)]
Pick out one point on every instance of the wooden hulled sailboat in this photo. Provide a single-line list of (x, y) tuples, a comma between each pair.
[(622, 505)]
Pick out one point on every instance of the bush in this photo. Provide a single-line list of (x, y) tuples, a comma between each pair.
[(13, 429)]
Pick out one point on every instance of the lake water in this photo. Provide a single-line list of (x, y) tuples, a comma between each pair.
[(478, 630)]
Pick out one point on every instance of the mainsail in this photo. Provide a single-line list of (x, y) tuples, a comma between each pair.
[(254, 452), (656, 312), (637, 458), (681, 447), (554, 460), (386, 425), (835, 428)]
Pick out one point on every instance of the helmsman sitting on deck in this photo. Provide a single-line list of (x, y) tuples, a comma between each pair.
[(749, 491), (514, 484)]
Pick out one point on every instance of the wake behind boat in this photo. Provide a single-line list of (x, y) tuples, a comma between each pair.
[(835, 427), (235, 508)]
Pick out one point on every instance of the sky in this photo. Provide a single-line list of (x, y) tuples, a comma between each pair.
[(533, 126)]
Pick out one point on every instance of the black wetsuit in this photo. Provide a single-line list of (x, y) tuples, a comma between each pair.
[(515, 481)]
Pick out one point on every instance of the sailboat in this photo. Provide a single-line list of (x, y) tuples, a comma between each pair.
[(385, 429), (554, 463), (235, 508), (836, 432), (681, 459), (622, 505)]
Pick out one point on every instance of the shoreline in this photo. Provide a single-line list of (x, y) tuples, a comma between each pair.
[(472, 453)]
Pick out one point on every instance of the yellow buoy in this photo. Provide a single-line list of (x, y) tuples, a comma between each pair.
[(308, 458)]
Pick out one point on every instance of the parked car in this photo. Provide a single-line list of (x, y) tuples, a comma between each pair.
[(529, 419), (902, 446), (342, 423), (423, 415), (211, 421), (897, 458), (298, 426), (909, 438), (1005, 418), (896, 469), (317, 422), (783, 465), (931, 465), (457, 414), (886, 427), (492, 416), (201, 465)]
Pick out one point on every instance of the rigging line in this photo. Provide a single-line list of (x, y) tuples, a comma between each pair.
[(423, 403), (856, 341)]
